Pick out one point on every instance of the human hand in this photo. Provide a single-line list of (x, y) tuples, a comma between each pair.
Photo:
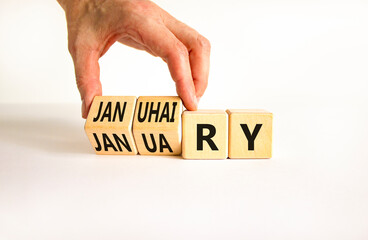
[(94, 25)]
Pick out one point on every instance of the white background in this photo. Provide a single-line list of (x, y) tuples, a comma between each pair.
[(305, 61)]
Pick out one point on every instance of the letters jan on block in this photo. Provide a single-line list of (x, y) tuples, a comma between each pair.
[(109, 125), (156, 126), (250, 133)]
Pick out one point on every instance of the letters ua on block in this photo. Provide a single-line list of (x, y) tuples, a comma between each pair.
[(250, 133), (109, 125), (156, 125), (204, 134)]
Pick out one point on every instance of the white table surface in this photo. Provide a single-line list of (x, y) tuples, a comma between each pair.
[(53, 186)]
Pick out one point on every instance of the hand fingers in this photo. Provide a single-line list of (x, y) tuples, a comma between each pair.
[(161, 42), (87, 72), (199, 52)]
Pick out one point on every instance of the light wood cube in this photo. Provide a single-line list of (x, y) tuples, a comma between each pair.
[(109, 125), (156, 125), (250, 133), (204, 134)]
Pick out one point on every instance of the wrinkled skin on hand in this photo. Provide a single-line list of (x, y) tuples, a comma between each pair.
[(94, 25)]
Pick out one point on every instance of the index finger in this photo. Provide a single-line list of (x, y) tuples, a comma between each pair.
[(163, 43), (199, 49)]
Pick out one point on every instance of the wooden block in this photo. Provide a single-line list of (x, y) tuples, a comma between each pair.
[(156, 125), (250, 133), (109, 125), (204, 134)]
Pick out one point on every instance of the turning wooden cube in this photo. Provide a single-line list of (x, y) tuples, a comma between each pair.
[(204, 134), (109, 125), (156, 125), (250, 133)]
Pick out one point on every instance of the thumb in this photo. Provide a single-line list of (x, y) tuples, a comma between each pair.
[(87, 73)]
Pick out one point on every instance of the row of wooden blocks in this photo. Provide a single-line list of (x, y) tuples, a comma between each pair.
[(151, 126)]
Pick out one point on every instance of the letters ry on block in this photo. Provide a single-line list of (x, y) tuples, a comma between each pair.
[(109, 125), (204, 134), (156, 125), (250, 133)]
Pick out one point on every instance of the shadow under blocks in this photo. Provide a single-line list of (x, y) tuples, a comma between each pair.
[(157, 125)]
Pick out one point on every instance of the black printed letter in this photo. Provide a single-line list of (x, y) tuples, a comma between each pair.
[(251, 136), (201, 138)]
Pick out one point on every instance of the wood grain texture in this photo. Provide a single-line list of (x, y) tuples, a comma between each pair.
[(156, 125), (204, 134), (250, 133), (109, 125)]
